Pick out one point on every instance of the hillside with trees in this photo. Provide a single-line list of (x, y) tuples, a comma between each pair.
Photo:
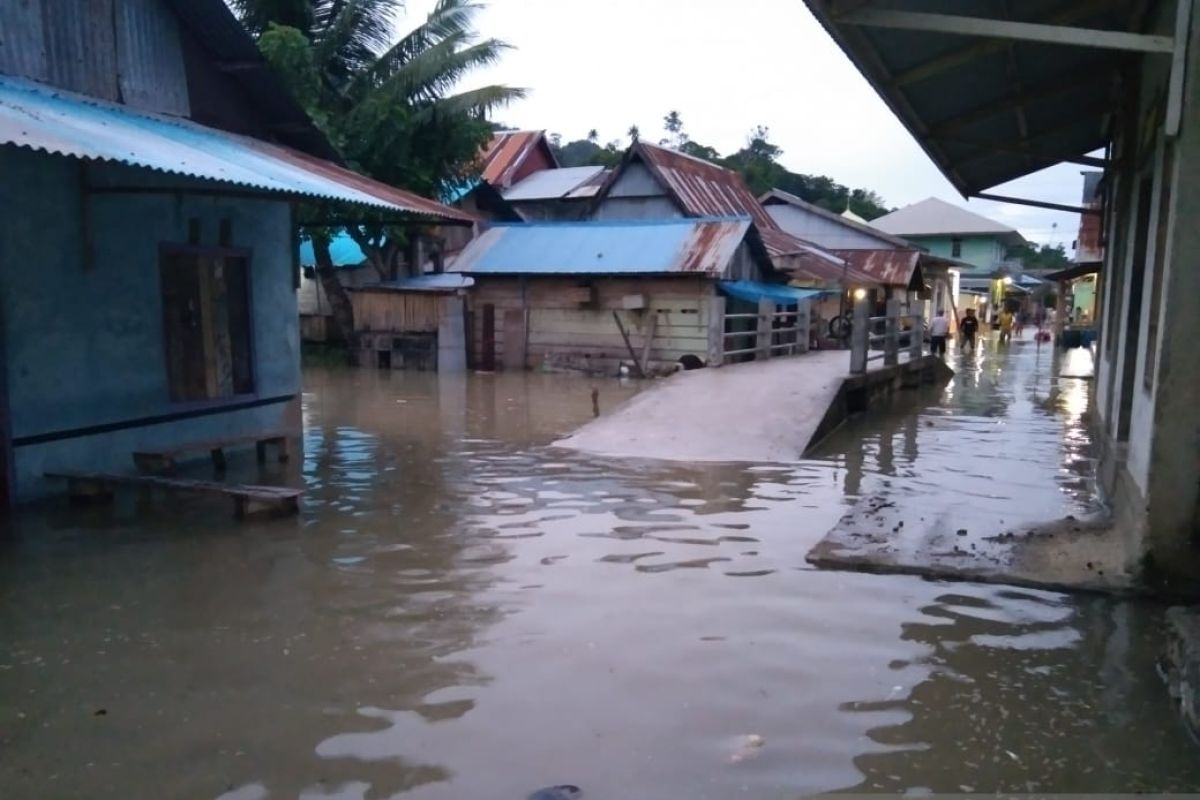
[(757, 162)]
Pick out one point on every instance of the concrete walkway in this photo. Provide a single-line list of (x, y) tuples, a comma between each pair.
[(992, 480), (757, 411)]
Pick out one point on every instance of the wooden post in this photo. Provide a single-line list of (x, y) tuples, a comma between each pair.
[(803, 324), (488, 356), (1060, 313), (715, 317), (766, 314), (637, 365), (860, 337), (648, 341), (891, 342)]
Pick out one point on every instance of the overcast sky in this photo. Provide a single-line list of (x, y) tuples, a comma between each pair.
[(727, 66)]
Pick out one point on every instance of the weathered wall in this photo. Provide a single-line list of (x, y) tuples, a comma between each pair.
[(985, 252), (637, 195), (823, 231), (572, 326), (86, 365), (126, 51), (384, 310)]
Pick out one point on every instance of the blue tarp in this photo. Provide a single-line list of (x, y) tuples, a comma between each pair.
[(344, 251), (781, 294)]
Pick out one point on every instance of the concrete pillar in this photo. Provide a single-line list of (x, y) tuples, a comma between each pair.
[(891, 342), (452, 336), (766, 315), (860, 337), (715, 319)]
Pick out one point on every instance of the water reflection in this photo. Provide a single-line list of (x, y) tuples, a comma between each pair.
[(462, 611)]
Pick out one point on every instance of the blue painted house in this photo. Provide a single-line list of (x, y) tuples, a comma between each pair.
[(150, 162)]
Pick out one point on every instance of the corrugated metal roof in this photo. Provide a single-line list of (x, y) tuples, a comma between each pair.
[(704, 189), (885, 267), (552, 184), (703, 246), (505, 153), (438, 282), (41, 118), (591, 187), (779, 196), (934, 217)]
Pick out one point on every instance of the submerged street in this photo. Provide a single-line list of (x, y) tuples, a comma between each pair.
[(462, 611)]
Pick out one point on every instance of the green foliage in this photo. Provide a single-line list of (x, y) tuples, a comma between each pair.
[(1040, 258), (757, 162), (388, 105)]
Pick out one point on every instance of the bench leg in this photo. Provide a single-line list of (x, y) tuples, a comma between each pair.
[(218, 459)]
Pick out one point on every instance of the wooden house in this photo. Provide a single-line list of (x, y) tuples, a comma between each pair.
[(648, 293), (147, 270)]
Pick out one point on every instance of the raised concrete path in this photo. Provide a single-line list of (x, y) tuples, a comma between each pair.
[(760, 411)]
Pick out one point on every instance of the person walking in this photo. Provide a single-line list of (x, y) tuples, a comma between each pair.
[(968, 329), (939, 329), (1006, 326)]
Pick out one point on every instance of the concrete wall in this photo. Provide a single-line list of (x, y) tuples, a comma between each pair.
[(824, 231), (985, 252), (1151, 472), (83, 325)]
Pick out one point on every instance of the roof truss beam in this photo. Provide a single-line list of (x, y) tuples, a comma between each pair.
[(1004, 29), (1022, 201)]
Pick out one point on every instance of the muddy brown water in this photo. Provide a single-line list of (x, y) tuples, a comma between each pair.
[(461, 611)]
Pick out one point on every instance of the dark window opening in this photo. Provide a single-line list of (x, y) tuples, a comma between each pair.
[(206, 325), (956, 248)]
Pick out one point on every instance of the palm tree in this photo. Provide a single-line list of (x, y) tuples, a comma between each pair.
[(388, 104)]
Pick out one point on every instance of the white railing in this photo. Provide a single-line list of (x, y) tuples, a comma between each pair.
[(863, 336)]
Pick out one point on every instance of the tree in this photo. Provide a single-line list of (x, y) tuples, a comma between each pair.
[(634, 133), (1040, 258), (387, 104)]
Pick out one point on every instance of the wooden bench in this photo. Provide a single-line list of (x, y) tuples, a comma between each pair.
[(248, 501), (160, 462)]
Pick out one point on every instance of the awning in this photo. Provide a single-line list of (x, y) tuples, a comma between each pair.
[(1071, 273), (780, 293), (53, 121)]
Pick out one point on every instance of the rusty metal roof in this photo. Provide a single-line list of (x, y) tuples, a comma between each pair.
[(704, 189), (648, 247), (41, 118), (503, 156), (884, 267)]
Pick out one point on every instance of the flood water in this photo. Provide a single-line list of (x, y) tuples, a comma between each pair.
[(461, 611)]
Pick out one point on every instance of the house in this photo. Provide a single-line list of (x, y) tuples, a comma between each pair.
[(889, 266), (647, 293), (1077, 286), (944, 229), (148, 278), (1124, 103)]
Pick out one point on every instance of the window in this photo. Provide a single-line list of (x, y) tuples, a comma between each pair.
[(956, 248), (206, 323)]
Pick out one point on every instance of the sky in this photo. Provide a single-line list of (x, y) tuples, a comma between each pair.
[(727, 66)]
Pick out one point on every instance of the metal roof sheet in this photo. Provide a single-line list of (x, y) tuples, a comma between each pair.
[(778, 196), (957, 94), (934, 217), (885, 267), (552, 184), (699, 246), (437, 282), (704, 189), (41, 118), (504, 154)]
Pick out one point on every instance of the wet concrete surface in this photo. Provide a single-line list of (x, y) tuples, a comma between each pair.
[(461, 611), (990, 478)]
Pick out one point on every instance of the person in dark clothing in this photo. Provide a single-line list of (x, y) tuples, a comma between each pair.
[(968, 328)]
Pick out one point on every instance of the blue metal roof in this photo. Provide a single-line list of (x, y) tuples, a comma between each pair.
[(780, 293), (43, 118), (690, 246)]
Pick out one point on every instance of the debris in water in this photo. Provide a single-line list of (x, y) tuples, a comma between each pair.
[(561, 792)]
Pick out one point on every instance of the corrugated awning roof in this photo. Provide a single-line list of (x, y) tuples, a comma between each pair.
[(781, 293), (886, 267), (42, 118), (986, 109), (686, 246)]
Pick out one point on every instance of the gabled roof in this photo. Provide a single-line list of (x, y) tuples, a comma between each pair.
[(934, 217), (633, 247), (507, 151), (703, 189), (780, 197)]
